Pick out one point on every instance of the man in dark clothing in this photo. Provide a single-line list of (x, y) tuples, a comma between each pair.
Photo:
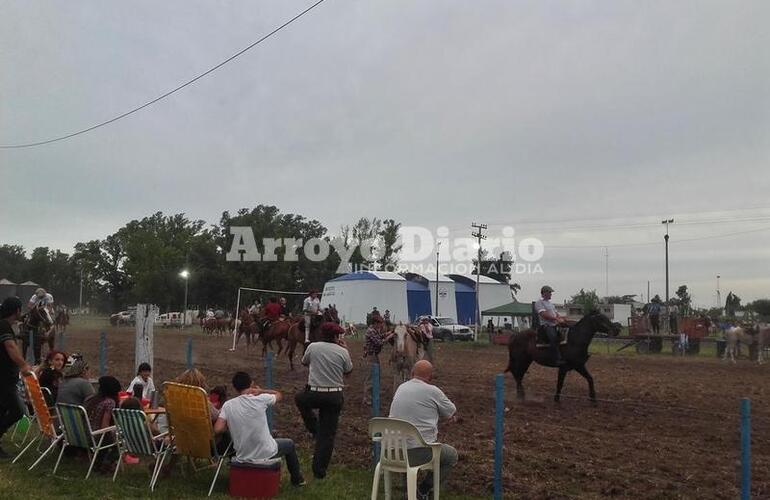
[(11, 362), (329, 362)]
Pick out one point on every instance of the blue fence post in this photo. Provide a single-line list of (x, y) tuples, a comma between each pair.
[(189, 353), (102, 354), (499, 412), (376, 406), (745, 449), (31, 349), (269, 385)]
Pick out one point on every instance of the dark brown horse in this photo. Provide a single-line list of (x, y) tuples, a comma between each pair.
[(296, 333), (62, 320), (523, 350), (39, 321), (278, 331)]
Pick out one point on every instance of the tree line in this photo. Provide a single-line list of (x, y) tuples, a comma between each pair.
[(142, 261)]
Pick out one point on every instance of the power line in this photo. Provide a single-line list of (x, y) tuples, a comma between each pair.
[(700, 238), (163, 96)]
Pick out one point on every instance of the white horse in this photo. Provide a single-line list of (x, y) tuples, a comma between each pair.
[(405, 354), (738, 333)]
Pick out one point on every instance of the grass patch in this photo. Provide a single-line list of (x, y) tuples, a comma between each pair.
[(16, 482)]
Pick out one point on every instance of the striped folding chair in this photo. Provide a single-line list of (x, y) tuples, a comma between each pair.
[(135, 437), (76, 429), (189, 421), (46, 423)]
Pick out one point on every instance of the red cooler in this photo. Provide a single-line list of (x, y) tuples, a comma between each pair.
[(255, 481)]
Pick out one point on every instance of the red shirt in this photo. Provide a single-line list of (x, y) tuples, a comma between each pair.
[(273, 311)]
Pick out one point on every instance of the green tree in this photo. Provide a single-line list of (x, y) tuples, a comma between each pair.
[(589, 300), (732, 304), (683, 300), (388, 245), (760, 306), (13, 263)]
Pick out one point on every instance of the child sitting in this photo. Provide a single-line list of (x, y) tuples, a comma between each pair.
[(143, 378)]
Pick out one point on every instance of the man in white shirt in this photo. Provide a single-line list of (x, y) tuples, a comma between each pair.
[(245, 417), (549, 319), (310, 307), (422, 404)]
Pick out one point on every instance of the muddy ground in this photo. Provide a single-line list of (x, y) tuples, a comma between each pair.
[(665, 427)]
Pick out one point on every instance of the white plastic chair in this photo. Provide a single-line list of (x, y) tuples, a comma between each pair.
[(394, 435)]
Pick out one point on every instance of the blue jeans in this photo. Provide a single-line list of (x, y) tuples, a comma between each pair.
[(419, 456), (287, 450)]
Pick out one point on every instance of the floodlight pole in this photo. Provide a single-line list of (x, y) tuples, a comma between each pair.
[(667, 222), (438, 247)]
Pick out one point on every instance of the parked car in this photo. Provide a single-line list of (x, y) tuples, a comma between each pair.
[(123, 318), (169, 319), (447, 329)]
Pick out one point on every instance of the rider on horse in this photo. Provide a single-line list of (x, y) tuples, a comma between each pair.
[(272, 313), (549, 320)]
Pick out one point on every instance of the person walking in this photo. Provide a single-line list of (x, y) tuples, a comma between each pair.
[(328, 362), (11, 363)]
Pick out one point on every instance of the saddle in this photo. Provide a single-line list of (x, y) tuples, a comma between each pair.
[(541, 338)]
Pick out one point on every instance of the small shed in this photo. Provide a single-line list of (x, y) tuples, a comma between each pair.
[(7, 289)]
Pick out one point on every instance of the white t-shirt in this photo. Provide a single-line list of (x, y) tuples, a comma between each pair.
[(545, 305), (149, 386), (311, 306), (47, 300), (421, 404), (247, 421)]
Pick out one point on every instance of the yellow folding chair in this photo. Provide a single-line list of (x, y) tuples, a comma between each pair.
[(189, 422)]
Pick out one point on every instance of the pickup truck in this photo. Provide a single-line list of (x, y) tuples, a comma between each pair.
[(447, 329)]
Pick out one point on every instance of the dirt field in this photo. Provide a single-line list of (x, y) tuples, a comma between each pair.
[(668, 427)]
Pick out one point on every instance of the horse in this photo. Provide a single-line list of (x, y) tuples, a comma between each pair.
[(247, 326), (523, 350), (62, 320), (758, 337), (406, 344), (278, 330), (209, 325), (39, 321), (296, 332)]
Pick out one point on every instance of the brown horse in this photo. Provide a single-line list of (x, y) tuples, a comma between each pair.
[(296, 333), (523, 350), (39, 321), (247, 326), (278, 331), (209, 325), (62, 320)]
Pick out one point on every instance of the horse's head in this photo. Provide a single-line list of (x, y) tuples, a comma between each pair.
[(330, 314), (601, 323), (39, 316)]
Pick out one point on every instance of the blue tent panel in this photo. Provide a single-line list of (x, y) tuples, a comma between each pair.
[(417, 300), (465, 297)]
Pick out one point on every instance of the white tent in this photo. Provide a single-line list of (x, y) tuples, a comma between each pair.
[(354, 295)]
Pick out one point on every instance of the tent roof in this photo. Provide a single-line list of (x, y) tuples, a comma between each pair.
[(6, 282), (370, 275), (483, 280), (510, 309), (429, 278), (29, 283)]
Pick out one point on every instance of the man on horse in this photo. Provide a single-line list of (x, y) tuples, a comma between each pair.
[(284, 307), (272, 313), (549, 320), (311, 308)]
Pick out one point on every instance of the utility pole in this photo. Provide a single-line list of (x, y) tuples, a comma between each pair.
[(719, 296), (80, 301), (438, 247), (606, 272), (480, 235), (667, 222), (648, 291)]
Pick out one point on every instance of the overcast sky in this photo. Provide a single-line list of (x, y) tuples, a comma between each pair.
[(433, 112)]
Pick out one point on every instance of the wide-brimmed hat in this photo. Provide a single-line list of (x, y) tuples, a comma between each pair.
[(75, 365)]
